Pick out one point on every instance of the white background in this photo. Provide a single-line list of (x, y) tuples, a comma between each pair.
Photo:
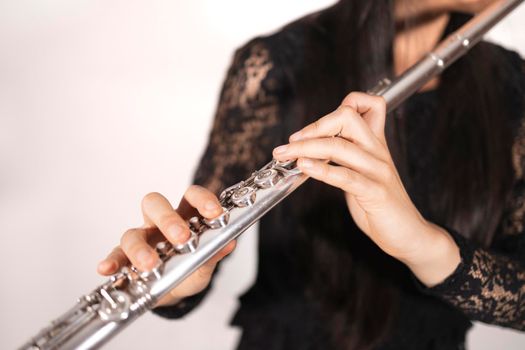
[(101, 102)]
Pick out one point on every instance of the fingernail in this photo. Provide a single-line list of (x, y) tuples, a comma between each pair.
[(145, 256), (211, 206), (306, 163), (281, 149), (175, 232), (296, 136)]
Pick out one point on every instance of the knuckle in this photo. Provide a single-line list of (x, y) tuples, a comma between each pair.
[(316, 126), (340, 144), (168, 220), (352, 95), (345, 110), (130, 241), (346, 116), (297, 147), (352, 98), (324, 171), (346, 176)]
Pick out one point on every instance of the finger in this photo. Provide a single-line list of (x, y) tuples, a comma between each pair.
[(113, 262), (134, 243), (344, 122), (346, 179), (200, 199), (159, 213), (337, 150), (371, 108)]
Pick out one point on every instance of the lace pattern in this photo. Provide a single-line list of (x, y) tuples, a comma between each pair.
[(513, 224), (247, 108), (486, 286)]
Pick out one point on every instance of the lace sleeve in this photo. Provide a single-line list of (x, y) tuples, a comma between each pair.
[(489, 285), (240, 140)]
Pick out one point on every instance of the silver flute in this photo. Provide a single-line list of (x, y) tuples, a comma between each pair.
[(101, 314)]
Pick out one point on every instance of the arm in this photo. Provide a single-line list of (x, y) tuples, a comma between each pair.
[(247, 110), (489, 285), (485, 285)]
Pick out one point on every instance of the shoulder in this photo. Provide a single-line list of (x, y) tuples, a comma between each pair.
[(280, 55), (291, 38)]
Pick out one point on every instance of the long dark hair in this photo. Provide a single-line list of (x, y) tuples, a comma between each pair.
[(349, 47)]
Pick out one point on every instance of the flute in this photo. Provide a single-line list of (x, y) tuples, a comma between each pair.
[(100, 315)]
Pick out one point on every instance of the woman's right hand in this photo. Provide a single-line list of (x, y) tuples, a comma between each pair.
[(162, 222)]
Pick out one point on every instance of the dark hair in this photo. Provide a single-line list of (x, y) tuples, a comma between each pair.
[(473, 173)]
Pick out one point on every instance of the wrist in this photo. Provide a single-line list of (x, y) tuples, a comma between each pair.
[(437, 257)]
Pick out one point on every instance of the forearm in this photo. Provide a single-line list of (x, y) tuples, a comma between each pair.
[(486, 286)]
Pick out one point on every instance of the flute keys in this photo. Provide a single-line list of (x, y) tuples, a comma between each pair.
[(195, 224), (163, 249), (189, 246), (286, 163), (267, 178), (115, 305), (244, 197), (153, 274), (227, 192), (219, 221), (288, 168)]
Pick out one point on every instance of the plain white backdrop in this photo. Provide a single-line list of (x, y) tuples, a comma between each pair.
[(101, 102)]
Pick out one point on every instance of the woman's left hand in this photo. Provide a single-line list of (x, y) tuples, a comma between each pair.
[(352, 138)]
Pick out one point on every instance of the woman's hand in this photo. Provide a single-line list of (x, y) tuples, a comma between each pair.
[(352, 138), (162, 222)]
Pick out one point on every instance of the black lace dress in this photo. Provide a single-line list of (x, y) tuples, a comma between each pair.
[(281, 310)]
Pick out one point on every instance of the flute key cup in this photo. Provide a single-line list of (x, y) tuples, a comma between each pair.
[(219, 221), (244, 197), (267, 178)]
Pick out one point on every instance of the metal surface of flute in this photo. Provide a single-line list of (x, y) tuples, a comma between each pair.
[(101, 314)]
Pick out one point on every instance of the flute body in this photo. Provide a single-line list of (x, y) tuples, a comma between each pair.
[(103, 313)]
